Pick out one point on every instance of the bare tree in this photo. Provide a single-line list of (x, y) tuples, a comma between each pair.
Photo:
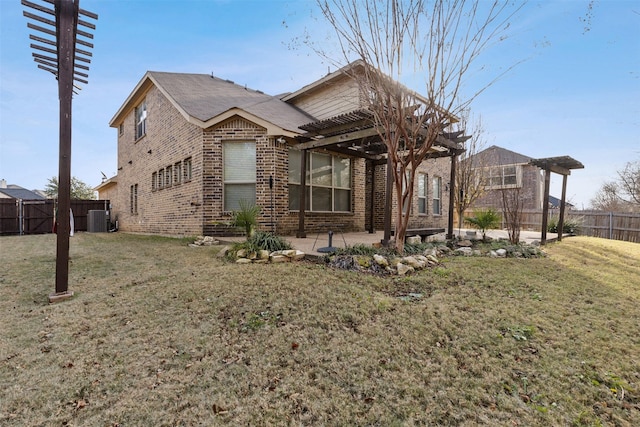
[(623, 194), (512, 204), (470, 171), (439, 40)]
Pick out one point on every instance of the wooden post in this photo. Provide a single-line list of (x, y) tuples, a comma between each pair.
[(372, 205), (452, 193), (301, 234), (561, 219), (67, 14), (545, 206)]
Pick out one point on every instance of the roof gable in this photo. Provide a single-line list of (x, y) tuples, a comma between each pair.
[(495, 155), (21, 193), (206, 100)]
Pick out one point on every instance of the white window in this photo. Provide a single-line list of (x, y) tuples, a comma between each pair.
[(160, 179), (507, 176), (154, 181), (437, 195), (422, 193), (177, 173), (133, 199), (186, 169), (168, 176), (141, 120), (239, 174), (328, 182)]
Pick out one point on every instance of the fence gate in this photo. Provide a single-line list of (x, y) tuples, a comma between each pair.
[(36, 216)]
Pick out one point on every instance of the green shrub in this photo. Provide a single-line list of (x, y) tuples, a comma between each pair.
[(484, 219), (570, 226), (268, 241), (246, 217)]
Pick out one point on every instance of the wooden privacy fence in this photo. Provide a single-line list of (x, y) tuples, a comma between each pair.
[(607, 225), (36, 216)]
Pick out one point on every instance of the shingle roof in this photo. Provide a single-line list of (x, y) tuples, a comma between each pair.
[(21, 193), (501, 156), (204, 97)]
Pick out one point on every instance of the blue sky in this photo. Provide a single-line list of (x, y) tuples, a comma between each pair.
[(576, 91)]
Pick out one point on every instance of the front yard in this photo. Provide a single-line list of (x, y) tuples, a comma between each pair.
[(159, 333)]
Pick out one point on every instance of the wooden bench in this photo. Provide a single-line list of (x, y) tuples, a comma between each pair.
[(422, 232)]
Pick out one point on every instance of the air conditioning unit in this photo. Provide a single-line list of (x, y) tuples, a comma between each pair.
[(97, 221)]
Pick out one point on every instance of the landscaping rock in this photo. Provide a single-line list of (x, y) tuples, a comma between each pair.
[(279, 258), (414, 262), (404, 269), (380, 260), (464, 251), (465, 243), (414, 240), (263, 255), (223, 251), (243, 261), (431, 252), (501, 253)]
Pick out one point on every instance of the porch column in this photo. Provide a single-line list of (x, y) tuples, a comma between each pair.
[(561, 219), (545, 206), (303, 195), (452, 193), (387, 203)]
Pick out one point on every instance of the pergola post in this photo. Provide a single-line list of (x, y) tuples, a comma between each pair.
[(301, 234), (63, 66), (372, 201), (561, 219), (452, 193), (563, 166), (545, 206)]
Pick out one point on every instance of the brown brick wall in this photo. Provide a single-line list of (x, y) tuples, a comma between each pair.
[(433, 168), (195, 207), (175, 210)]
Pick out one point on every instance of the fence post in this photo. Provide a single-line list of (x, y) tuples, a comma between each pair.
[(610, 225), (20, 218)]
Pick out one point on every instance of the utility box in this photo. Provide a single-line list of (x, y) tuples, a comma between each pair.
[(97, 221)]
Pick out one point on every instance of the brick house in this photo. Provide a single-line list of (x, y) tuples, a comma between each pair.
[(505, 169), (192, 147)]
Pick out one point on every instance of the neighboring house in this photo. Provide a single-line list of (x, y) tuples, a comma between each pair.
[(503, 169), (16, 192), (192, 147), (554, 203)]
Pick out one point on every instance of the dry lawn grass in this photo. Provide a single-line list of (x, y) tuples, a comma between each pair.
[(166, 335)]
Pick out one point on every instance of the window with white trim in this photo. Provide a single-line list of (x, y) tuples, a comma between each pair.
[(177, 173), (239, 174), (133, 199), (168, 176), (504, 176), (186, 169), (160, 179), (141, 120), (328, 182), (422, 193), (437, 195)]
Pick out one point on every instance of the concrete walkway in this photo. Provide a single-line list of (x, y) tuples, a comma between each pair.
[(315, 241)]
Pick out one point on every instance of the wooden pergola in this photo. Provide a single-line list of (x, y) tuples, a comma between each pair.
[(356, 134), (561, 165)]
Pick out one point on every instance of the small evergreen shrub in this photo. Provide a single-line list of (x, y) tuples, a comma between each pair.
[(268, 241)]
